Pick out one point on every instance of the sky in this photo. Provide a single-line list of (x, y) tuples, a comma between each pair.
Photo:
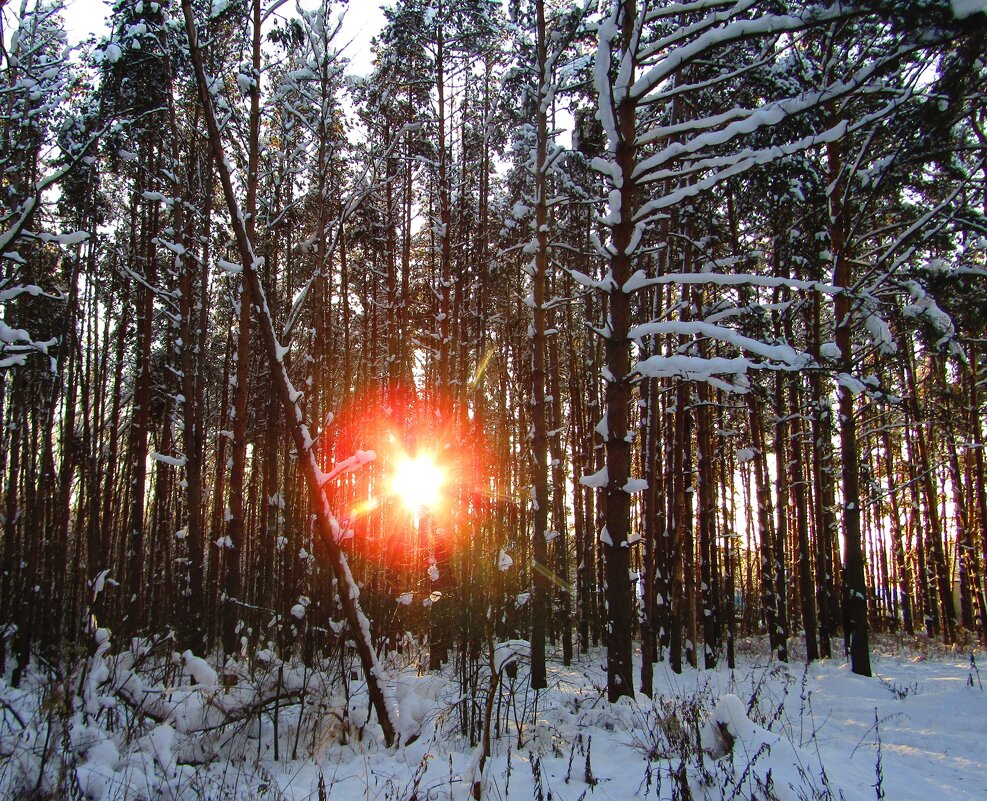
[(362, 21)]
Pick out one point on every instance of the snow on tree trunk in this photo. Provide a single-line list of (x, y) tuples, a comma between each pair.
[(326, 525)]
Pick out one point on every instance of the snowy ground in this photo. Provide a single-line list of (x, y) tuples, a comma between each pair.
[(914, 731)]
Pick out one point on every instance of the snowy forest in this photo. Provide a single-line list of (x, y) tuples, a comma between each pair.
[(514, 397)]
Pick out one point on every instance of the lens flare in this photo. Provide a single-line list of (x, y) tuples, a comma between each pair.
[(417, 482)]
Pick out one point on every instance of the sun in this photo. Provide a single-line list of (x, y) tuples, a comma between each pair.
[(417, 482)]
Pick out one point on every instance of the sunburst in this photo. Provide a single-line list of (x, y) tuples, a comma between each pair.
[(417, 482)]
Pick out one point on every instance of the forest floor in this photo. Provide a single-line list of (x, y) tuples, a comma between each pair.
[(916, 730)]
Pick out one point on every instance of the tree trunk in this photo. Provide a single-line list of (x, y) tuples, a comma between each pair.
[(540, 569), (854, 587)]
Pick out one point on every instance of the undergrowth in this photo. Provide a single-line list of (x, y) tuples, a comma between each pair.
[(146, 722)]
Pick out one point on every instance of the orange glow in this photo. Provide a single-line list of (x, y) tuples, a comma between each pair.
[(364, 508), (417, 481), (432, 462)]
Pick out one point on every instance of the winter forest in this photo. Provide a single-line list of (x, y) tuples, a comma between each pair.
[(579, 395)]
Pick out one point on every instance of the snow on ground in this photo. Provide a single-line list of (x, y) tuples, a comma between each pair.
[(769, 731)]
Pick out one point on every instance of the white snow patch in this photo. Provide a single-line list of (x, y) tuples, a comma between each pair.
[(965, 8), (597, 480)]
